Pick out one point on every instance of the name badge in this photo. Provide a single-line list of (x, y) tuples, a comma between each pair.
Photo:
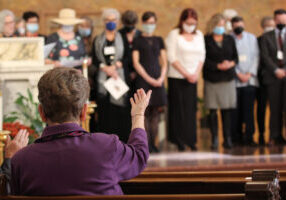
[(109, 50), (280, 55), (242, 58)]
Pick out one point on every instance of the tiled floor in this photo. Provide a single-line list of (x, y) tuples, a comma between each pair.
[(238, 158)]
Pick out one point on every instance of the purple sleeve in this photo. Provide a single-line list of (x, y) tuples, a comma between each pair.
[(131, 158), (15, 190)]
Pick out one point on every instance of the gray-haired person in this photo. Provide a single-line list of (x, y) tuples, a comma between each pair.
[(267, 24), (7, 23), (108, 50)]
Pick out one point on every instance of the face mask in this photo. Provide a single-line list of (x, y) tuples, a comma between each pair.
[(21, 30), (128, 29), (219, 30), (67, 28), (84, 32), (267, 29), (238, 30), (189, 28), (32, 28), (149, 28), (110, 26), (280, 26), (228, 26)]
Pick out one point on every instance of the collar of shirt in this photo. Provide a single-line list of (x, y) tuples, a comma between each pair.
[(62, 128), (277, 31)]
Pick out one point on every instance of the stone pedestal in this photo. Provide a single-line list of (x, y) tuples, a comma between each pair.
[(18, 79)]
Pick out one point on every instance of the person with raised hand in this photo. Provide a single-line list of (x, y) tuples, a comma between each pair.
[(68, 160)]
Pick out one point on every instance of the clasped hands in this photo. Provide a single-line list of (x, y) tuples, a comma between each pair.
[(225, 65), (112, 70)]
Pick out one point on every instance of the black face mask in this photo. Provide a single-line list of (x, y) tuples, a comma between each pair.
[(128, 29), (280, 26), (238, 30)]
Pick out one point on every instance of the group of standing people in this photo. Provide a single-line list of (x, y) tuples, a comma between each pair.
[(237, 69)]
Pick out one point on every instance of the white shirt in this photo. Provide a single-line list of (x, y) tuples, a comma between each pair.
[(188, 53), (248, 51)]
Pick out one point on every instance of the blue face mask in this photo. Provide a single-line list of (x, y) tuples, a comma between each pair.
[(84, 32), (149, 28), (110, 26), (32, 28), (219, 30)]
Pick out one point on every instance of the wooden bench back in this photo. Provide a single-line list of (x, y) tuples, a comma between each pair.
[(135, 197)]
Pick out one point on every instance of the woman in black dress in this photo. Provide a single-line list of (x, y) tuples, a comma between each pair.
[(150, 62)]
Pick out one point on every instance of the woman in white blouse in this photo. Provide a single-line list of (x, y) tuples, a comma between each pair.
[(186, 54)]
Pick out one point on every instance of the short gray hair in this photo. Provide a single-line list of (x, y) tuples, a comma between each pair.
[(264, 20), (110, 11), (3, 14)]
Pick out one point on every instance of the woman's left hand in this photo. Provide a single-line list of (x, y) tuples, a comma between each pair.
[(118, 64), (160, 81)]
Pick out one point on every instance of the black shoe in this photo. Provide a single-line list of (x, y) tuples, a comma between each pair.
[(227, 143), (193, 147), (278, 141), (153, 149), (214, 143), (281, 140), (238, 143), (261, 141), (251, 143), (181, 147)]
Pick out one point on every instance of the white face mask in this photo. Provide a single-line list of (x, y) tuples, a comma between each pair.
[(21, 30), (67, 28), (189, 28), (269, 28), (228, 26)]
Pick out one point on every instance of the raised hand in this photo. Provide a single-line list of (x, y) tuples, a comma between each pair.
[(19, 142), (139, 102)]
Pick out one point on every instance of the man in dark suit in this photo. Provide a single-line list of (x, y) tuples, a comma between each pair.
[(273, 57), (267, 24)]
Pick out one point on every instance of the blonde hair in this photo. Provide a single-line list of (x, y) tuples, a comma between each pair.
[(213, 22)]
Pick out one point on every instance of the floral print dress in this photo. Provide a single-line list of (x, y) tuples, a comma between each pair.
[(73, 49)]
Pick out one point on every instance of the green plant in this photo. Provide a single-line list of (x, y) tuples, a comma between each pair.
[(27, 113), (204, 111)]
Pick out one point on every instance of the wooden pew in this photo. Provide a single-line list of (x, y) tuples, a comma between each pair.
[(212, 182), (135, 197)]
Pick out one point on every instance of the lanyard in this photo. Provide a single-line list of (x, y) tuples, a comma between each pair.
[(60, 135)]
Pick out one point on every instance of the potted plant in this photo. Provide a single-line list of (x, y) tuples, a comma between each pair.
[(26, 117)]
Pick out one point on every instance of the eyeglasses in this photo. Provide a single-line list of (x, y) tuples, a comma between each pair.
[(9, 23)]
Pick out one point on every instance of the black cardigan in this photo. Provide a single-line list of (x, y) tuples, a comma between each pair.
[(215, 55)]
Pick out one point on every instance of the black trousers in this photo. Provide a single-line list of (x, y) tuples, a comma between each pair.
[(244, 114), (276, 95), (261, 96), (226, 115), (182, 112), (113, 119)]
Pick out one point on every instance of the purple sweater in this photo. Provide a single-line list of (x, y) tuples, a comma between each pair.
[(78, 164)]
